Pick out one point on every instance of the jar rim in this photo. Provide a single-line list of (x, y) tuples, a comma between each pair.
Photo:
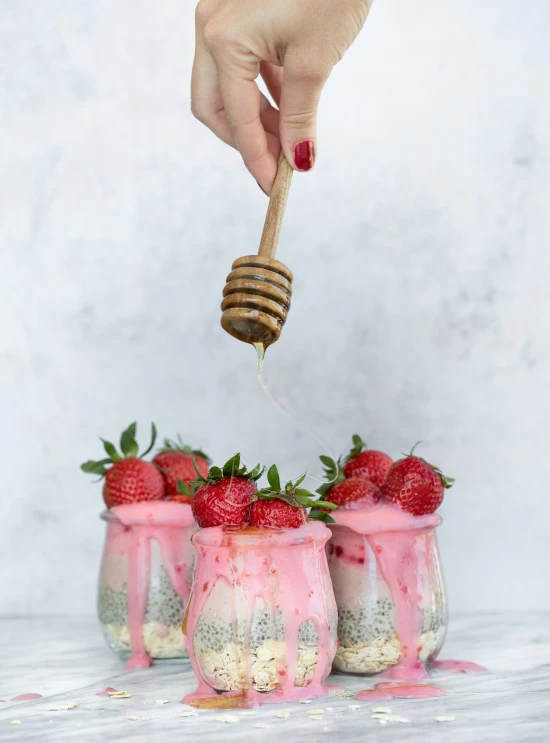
[(382, 519), (250, 537), (150, 513)]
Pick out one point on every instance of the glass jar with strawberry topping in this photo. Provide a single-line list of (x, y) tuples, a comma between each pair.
[(262, 617), (146, 570), (386, 571), (145, 579)]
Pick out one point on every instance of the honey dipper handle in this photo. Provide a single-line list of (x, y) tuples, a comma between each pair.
[(276, 209)]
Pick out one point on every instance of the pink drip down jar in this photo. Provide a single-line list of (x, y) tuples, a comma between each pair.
[(145, 580), (388, 583), (262, 617)]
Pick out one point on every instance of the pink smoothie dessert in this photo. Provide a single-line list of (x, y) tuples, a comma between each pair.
[(262, 616), (387, 579), (145, 579)]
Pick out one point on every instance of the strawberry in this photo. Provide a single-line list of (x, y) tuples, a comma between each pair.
[(277, 514), (351, 492), (175, 462), (224, 498), (129, 479), (415, 486), (355, 492), (367, 463), (284, 508)]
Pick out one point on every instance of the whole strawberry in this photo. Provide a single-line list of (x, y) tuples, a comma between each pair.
[(128, 479), (285, 508), (415, 486), (225, 497), (175, 462), (347, 492), (367, 463), (355, 492)]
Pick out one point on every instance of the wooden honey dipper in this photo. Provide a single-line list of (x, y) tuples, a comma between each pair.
[(256, 297)]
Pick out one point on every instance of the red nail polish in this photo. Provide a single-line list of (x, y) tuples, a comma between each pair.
[(304, 155)]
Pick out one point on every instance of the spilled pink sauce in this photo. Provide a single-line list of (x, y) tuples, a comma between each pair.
[(382, 692), (129, 536), (105, 691), (286, 569), (456, 666), (26, 697), (403, 561)]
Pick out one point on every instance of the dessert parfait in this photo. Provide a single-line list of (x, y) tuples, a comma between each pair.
[(147, 566), (261, 621), (384, 562)]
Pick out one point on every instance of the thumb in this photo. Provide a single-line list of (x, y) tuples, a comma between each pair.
[(302, 85)]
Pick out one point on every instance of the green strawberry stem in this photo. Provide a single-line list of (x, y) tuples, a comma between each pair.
[(128, 446), (332, 472), (293, 494), (358, 446), (178, 445), (232, 468)]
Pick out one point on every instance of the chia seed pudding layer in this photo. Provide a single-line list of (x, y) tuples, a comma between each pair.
[(222, 650), (162, 621)]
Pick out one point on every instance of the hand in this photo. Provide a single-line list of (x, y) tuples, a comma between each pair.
[(293, 45)]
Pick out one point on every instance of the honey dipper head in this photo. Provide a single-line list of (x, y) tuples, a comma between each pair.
[(256, 299)]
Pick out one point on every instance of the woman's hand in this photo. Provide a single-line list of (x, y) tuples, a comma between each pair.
[(293, 44)]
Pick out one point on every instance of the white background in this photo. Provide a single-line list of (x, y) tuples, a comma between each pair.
[(419, 246)]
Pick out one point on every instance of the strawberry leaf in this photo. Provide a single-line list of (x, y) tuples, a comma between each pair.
[(95, 468), (318, 515), (273, 477), (128, 443), (111, 451), (153, 439), (358, 446), (178, 445), (332, 472), (185, 488)]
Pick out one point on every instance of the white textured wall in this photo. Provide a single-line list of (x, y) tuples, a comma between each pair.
[(419, 245)]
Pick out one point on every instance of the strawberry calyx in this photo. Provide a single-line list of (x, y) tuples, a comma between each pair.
[(358, 446), (446, 481), (128, 446), (232, 468), (332, 472), (179, 446), (295, 496)]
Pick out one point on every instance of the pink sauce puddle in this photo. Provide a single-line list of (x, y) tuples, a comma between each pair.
[(168, 524), (385, 691), (26, 697), (105, 692), (457, 666), (287, 570)]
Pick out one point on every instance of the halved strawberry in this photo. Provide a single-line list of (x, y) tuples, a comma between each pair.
[(225, 497), (415, 485), (175, 462), (129, 479), (367, 463), (286, 508)]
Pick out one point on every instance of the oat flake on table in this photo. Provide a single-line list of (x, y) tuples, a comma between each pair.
[(227, 718)]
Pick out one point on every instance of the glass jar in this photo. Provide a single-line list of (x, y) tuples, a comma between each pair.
[(389, 589), (145, 579), (262, 616)]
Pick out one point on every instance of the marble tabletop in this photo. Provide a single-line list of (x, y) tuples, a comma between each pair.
[(66, 661)]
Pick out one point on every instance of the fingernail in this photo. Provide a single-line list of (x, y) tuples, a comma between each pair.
[(265, 192), (304, 155)]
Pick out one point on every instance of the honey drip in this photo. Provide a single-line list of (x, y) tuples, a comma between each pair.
[(260, 353)]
